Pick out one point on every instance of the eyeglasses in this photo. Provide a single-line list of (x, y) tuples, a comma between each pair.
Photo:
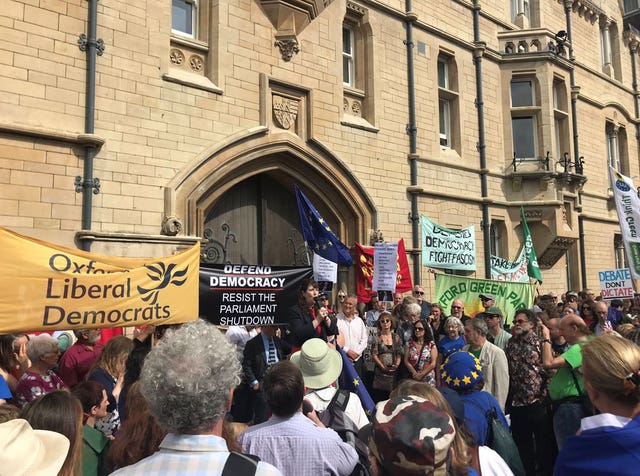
[(520, 321), (420, 293), (486, 299)]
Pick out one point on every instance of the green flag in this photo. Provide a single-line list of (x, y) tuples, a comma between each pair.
[(532, 261)]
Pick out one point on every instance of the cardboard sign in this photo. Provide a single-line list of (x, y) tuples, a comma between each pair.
[(616, 284)]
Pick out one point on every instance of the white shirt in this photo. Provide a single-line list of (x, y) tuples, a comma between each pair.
[(491, 463), (355, 334), (239, 336), (321, 398)]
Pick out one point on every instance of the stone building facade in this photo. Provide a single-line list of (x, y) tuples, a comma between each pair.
[(208, 111)]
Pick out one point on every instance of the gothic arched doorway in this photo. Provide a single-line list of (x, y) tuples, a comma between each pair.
[(256, 222)]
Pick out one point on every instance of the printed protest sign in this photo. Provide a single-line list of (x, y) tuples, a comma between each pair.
[(249, 295)]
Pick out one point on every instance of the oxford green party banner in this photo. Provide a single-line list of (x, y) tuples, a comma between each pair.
[(509, 296), (448, 249)]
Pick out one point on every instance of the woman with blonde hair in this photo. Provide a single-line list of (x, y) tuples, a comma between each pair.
[(108, 370), (61, 412), (607, 443)]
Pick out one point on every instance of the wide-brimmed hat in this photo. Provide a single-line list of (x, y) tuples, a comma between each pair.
[(25, 451), (461, 371), (320, 365), (410, 435)]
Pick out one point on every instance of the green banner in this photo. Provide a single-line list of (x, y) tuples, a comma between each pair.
[(448, 249), (509, 296)]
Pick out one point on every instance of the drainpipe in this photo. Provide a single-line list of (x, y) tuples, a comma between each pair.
[(478, 52), (633, 49), (412, 131), (87, 184), (576, 146)]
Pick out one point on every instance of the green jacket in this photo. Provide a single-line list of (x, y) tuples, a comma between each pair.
[(95, 447)]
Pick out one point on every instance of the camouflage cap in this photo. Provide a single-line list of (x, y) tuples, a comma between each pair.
[(411, 435), (461, 370)]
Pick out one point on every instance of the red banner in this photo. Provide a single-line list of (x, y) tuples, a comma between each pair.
[(364, 271)]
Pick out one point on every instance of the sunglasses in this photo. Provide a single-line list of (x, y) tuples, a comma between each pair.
[(420, 293), (486, 299), (341, 296)]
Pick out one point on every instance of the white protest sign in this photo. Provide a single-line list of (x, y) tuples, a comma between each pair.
[(324, 270), (616, 283), (385, 266)]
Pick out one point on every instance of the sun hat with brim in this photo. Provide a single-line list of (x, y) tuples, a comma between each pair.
[(25, 451), (409, 436), (320, 365)]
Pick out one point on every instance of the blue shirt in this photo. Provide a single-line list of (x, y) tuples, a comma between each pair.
[(189, 455), (476, 406), (296, 446)]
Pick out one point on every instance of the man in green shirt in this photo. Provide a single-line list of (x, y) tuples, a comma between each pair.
[(566, 387)]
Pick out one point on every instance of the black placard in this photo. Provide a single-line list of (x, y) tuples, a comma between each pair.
[(243, 295)]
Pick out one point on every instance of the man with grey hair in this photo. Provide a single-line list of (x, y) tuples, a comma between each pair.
[(492, 358), (188, 380)]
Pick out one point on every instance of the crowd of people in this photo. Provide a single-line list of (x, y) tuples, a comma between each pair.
[(555, 392)]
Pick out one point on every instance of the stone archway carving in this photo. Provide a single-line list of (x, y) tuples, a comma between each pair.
[(195, 190)]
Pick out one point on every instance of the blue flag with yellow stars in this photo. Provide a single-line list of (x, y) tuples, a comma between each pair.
[(349, 380), (318, 235)]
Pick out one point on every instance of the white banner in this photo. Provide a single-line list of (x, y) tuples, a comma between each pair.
[(324, 270), (385, 266), (627, 202), (514, 271)]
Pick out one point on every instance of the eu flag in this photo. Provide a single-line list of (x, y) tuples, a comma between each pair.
[(349, 380), (317, 233)]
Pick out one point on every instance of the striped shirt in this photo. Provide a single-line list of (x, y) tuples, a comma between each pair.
[(189, 455)]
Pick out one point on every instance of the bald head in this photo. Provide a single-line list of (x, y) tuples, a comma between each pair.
[(573, 328)]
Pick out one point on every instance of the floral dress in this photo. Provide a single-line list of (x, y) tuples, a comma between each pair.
[(419, 361)]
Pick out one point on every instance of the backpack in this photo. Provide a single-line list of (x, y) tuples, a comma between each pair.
[(500, 440), (334, 417), (239, 463)]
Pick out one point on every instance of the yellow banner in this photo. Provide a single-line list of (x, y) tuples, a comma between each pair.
[(46, 287)]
